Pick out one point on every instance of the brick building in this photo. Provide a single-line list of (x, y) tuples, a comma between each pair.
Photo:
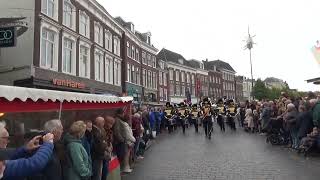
[(67, 40), (215, 80)]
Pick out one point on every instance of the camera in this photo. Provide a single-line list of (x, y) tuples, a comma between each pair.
[(33, 133)]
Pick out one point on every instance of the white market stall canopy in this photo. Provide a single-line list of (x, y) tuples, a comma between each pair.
[(12, 92), (20, 99)]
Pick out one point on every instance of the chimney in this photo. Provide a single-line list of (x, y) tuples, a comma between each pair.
[(206, 59)]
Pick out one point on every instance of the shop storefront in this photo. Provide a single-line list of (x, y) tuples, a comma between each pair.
[(46, 79)]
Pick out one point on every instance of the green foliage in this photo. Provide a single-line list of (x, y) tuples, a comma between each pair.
[(260, 91)]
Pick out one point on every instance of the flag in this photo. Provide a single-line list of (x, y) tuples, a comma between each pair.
[(316, 51)]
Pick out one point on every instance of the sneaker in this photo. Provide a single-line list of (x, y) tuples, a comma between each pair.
[(127, 170), (140, 157)]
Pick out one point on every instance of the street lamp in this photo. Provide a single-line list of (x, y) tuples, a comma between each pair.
[(249, 45)]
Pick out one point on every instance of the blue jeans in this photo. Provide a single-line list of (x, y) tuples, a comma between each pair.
[(137, 146), (105, 168), (294, 138)]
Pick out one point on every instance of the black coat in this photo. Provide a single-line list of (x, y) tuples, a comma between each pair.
[(305, 123)]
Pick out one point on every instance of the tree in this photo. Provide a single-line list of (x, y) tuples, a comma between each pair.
[(259, 90)]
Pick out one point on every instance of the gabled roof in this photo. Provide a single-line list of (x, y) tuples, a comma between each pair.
[(209, 65), (170, 56), (194, 63)]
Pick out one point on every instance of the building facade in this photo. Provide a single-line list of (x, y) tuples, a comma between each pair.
[(163, 81), (239, 88), (272, 82), (215, 81), (228, 78), (181, 77), (70, 45), (247, 89)]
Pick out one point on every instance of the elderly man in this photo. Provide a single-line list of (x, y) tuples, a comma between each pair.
[(109, 122), (21, 164), (99, 147), (53, 171)]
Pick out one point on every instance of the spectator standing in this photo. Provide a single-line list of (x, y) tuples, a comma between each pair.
[(21, 164), (99, 147), (79, 164), (87, 140), (249, 120), (137, 133), (109, 122), (291, 120), (119, 138), (53, 170), (129, 144)]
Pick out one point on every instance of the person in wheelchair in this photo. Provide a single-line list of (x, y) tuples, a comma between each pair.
[(309, 141)]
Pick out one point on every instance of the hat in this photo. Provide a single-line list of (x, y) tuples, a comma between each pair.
[(6, 154)]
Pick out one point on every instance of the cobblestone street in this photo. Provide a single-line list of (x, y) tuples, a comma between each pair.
[(230, 155)]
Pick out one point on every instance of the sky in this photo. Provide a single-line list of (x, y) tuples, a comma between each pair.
[(285, 31)]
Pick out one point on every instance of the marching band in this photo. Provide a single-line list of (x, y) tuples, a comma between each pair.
[(203, 114)]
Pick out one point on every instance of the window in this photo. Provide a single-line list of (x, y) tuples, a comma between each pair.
[(98, 66), (165, 79), (128, 72), (109, 70), (193, 91), (178, 90), (138, 76), (171, 89), (117, 73), (133, 51), (84, 69), (182, 77), (84, 25), (171, 75), (183, 91), (177, 75), (116, 46), (188, 78), (165, 94), (149, 81), (154, 80), (144, 60), (149, 60), (161, 94), (137, 55), (108, 40), (48, 49), (144, 78), (128, 49), (133, 74), (154, 62), (160, 78), (50, 8), (67, 61), (192, 79), (98, 38), (69, 14)]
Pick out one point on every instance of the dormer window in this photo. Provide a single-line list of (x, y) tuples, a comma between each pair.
[(149, 40), (132, 27), (180, 61)]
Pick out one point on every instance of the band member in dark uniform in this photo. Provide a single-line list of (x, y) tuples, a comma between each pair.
[(221, 112), (182, 116), (168, 114), (207, 118), (231, 112), (194, 116)]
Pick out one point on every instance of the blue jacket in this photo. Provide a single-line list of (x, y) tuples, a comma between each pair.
[(21, 165), (152, 119)]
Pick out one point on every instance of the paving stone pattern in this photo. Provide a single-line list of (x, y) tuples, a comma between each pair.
[(227, 156)]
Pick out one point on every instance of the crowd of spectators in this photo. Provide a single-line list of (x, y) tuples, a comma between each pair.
[(298, 119), (82, 151)]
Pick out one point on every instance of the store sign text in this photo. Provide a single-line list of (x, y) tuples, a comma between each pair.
[(68, 83)]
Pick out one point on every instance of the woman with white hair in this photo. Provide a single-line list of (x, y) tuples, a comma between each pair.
[(249, 120), (290, 119)]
